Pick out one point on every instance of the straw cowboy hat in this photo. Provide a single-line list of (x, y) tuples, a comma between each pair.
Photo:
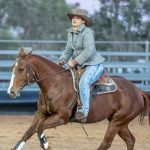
[(83, 14)]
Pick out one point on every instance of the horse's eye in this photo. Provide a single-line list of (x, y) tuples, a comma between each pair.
[(20, 69)]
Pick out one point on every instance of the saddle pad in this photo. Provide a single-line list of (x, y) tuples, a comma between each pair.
[(76, 75), (74, 78)]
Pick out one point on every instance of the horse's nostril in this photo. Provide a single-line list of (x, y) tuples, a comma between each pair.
[(12, 94)]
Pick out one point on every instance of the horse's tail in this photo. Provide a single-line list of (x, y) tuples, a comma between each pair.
[(146, 97)]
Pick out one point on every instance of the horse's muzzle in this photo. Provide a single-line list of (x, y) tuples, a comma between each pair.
[(14, 94)]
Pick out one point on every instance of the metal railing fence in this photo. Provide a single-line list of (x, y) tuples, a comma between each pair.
[(133, 64)]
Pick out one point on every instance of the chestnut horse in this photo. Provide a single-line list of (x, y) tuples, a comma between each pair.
[(56, 103)]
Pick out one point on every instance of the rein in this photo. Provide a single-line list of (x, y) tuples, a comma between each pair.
[(38, 80)]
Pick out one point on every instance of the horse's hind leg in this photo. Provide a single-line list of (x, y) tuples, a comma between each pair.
[(127, 136), (112, 130)]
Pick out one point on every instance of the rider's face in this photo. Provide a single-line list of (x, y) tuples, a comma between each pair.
[(77, 21)]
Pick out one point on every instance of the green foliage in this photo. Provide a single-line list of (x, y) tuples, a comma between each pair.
[(122, 21), (36, 19)]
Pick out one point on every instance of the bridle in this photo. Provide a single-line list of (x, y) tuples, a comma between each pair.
[(35, 79)]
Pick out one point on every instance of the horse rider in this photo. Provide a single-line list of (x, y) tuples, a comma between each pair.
[(80, 51)]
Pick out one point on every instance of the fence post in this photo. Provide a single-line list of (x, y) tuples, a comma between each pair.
[(147, 49), (147, 57)]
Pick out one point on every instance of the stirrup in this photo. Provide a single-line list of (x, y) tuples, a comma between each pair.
[(80, 115)]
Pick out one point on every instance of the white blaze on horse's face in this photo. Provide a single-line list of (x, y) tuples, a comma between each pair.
[(12, 79)]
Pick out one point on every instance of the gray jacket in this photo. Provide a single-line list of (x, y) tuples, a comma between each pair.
[(81, 47)]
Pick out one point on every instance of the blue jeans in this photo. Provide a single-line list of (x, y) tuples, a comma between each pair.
[(90, 76)]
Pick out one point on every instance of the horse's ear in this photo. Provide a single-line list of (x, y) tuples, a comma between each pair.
[(27, 50), (24, 51)]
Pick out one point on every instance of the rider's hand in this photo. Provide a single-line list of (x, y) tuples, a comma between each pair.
[(61, 63), (72, 63)]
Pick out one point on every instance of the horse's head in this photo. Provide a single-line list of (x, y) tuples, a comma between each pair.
[(22, 73)]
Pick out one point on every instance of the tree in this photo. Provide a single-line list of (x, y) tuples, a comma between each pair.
[(122, 21), (36, 19)]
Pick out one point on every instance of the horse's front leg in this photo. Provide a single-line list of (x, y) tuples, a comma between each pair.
[(50, 122), (32, 129)]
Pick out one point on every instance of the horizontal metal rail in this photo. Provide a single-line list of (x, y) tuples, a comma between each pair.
[(56, 52), (63, 41), (144, 78)]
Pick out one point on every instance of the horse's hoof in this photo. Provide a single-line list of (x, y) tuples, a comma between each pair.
[(45, 148), (49, 148)]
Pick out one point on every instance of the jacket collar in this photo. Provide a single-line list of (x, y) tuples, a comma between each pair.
[(80, 29)]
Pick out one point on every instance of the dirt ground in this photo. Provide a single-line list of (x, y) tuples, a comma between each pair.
[(70, 136)]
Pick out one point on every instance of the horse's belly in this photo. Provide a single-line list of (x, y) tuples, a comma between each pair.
[(100, 109)]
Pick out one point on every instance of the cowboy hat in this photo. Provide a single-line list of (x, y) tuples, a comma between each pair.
[(83, 14)]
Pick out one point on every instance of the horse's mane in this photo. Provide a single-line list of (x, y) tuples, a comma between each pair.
[(49, 62)]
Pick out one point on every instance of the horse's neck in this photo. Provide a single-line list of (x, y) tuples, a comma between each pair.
[(47, 73), (52, 88), (148, 95)]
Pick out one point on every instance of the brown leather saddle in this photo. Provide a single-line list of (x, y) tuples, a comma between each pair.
[(103, 85)]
